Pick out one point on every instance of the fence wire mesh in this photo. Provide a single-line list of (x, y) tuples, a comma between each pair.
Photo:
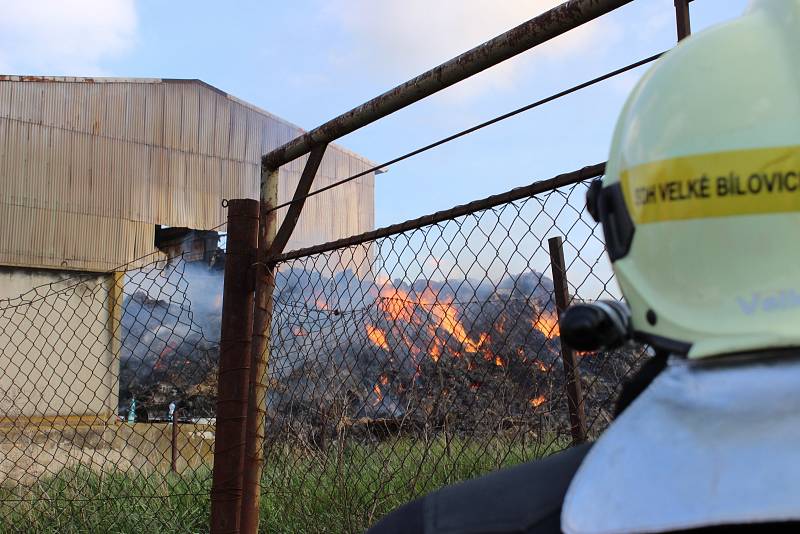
[(397, 366), (430, 356), (91, 368)]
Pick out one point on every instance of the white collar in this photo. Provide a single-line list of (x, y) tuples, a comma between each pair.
[(700, 446)]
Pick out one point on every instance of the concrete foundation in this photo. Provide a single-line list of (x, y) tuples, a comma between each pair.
[(30, 451)]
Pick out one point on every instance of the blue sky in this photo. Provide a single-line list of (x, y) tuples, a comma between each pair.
[(310, 60)]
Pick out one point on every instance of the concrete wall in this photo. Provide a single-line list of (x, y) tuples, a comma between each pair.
[(58, 344), (30, 454)]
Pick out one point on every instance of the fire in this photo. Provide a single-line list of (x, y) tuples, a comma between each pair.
[(412, 347), (377, 336), (500, 327), (537, 401), (435, 346), (399, 305), (436, 350), (535, 361), (445, 313), (376, 389), (396, 303), (170, 347), (547, 324), (383, 380), (299, 331), (490, 356)]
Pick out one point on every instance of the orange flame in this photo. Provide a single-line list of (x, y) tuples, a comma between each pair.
[(299, 331), (498, 361), (547, 324), (376, 389), (445, 313), (412, 347), (170, 347), (542, 367), (377, 336), (500, 327), (399, 305), (436, 350), (537, 401), (484, 339), (396, 303)]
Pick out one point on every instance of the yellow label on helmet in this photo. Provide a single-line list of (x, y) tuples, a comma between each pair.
[(722, 184)]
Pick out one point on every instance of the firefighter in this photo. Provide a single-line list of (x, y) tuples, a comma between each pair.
[(700, 207)]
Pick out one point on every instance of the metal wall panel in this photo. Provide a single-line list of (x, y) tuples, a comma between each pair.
[(88, 167), (5, 98)]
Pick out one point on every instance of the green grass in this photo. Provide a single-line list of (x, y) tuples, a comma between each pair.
[(341, 490)]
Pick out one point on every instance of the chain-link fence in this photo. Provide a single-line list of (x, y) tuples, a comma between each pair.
[(107, 392), (398, 364), (428, 356)]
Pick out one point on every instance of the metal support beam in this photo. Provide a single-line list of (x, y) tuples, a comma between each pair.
[(577, 417), (259, 354), (682, 19), (234, 366), (534, 32), (299, 200)]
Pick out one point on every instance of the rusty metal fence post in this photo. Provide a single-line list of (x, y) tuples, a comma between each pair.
[(577, 417), (682, 20), (234, 366), (173, 464), (259, 354)]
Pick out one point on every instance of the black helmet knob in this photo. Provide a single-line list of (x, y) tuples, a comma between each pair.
[(596, 326)]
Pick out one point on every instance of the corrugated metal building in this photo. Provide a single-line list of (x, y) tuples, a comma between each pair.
[(89, 167), (111, 158)]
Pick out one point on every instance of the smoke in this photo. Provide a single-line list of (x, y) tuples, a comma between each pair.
[(204, 298), (170, 335), (321, 325)]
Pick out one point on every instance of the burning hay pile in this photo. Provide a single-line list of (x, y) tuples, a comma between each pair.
[(424, 357), (371, 356)]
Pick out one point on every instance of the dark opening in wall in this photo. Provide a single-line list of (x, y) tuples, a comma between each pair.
[(193, 245)]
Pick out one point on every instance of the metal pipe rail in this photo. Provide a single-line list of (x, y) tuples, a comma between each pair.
[(530, 34), (569, 178)]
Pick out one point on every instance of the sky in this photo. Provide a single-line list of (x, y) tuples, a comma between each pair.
[(310, 60)]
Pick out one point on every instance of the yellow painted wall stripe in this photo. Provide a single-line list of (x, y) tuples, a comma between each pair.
[(722, 184)]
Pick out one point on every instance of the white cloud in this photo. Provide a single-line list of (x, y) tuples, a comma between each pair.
[(400, 39), (64, 37)]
